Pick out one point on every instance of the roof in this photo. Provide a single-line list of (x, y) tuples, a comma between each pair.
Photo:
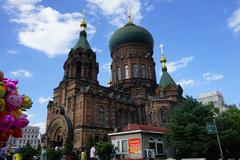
[(82, 41), (166, 79), (133, 127), (130, 33)]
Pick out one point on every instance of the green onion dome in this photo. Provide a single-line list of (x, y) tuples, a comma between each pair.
[(130, 33)]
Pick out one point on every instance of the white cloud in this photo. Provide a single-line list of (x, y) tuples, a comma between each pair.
[(116, 11), (12, 51), (21, 73), (209, 77), (97, 50), (234, 21), (176, 65), (150, 8), (187, 83), (30, 116), (43, 100), (107, 67), (41, 125), (43, 28)]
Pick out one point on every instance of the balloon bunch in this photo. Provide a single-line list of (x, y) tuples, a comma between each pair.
[(12, 104)]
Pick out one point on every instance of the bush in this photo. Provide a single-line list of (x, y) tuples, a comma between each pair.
[(29, 152), (104, 150), (53, 155)]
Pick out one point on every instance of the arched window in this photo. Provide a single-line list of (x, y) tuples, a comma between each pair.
[(90, 71), (78, 69), (150, 72), (163, 116), (156, 143), (101, 115), (143, 71), (135, 70), (151, 118), (119, 73), (126, 71)]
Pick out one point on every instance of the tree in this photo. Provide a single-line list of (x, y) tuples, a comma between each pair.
[(68, 147), (104, 150), (39, 148), (28, 152), (187, 130), (229, 130), (51, 154)]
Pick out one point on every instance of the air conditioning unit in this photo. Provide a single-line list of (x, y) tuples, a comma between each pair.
[(149, 153)]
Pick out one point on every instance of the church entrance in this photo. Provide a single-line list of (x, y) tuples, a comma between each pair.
[(57, 131)]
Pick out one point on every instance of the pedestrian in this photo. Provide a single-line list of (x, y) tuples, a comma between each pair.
[(3, 152), (43, 155), (17, 156), (93, 153), (83, 155), (9, 155)]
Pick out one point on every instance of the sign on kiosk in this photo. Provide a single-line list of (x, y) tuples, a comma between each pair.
[(134, 145)]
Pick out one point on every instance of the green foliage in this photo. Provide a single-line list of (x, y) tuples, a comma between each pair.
[(229, 131), (28, 152), (187, 130), (51, 154), (68, 145), (39, 148), (104, 150)]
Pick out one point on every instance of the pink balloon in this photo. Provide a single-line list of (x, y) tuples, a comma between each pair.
[(21, 122), (11, 84), (6, 122), (23, 116), (14, 101)]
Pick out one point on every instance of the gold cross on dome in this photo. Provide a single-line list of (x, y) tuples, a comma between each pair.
[(129, 14), (162, 50)]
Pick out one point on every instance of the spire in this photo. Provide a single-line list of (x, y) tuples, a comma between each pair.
[(163, 59), (82, 41), (166, 79), (129, 15)]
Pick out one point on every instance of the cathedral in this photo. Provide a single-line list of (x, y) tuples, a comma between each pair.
[(86, 112)]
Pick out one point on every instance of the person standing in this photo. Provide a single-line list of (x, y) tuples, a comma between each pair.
[(43, 155), (17, 156), (3, 152), (83, 155), (93, 153), (9, 155)]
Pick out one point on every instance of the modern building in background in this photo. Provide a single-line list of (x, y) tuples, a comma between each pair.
[(31, 134), (216, 97)]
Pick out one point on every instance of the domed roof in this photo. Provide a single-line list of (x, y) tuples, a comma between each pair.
[(130, 33)]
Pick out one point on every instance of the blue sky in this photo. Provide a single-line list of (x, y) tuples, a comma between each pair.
[(201, 41)]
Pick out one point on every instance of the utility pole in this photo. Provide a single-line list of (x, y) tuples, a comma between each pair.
[(219, 144)]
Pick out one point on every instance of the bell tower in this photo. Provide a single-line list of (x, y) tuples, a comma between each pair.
[(81, 63), (133, 67)]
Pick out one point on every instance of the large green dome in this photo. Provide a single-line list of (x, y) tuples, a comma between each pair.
[(130, 33)]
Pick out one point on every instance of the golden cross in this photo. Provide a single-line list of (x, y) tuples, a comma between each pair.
[(162, 50)]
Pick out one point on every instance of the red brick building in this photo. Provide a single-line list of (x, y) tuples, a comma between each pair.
[(87, 111)]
